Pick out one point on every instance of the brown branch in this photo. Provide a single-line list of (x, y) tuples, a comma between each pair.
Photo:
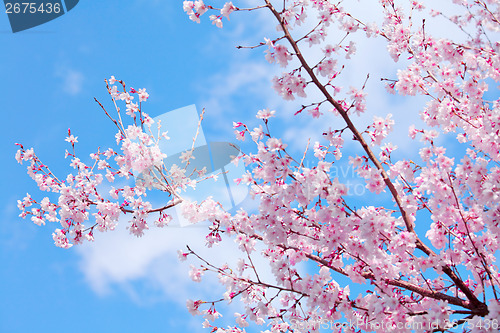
[(478, 309), (474, 302), (107, 114), (351, 126)]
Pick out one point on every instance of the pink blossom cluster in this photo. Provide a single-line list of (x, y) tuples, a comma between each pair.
[(304, 215), (197, 8), (80, 206)]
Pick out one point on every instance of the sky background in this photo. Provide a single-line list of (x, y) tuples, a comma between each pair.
[(50, 76)]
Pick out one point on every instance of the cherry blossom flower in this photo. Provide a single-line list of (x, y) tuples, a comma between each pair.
[(186, 156), (265, 114), (227, 9), (143, 95), (71, 139)]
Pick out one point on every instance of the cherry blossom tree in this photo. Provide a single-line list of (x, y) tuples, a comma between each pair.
[(424, 262)]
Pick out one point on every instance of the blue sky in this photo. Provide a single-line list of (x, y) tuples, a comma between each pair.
[(50, 76)]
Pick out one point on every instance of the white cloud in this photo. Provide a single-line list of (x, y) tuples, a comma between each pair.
[(72, 80), (244, 79), (119, 258), (148, 269)]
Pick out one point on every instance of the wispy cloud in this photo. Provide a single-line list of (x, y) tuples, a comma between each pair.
[(72, 80), (148, 269), (119, 258)]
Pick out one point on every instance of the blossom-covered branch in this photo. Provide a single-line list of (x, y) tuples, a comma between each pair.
[(445, 205)]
